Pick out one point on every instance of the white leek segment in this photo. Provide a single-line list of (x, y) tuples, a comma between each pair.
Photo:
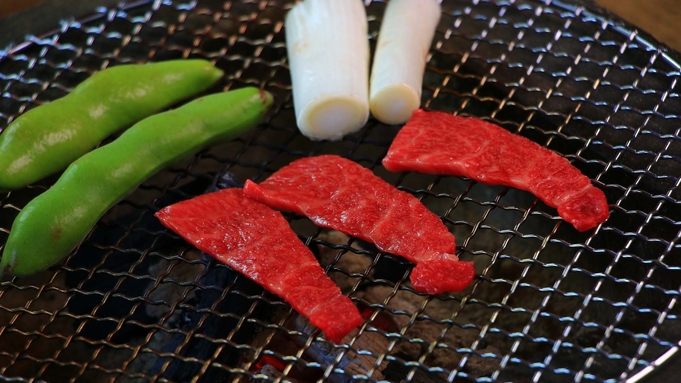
[(328, 53), (400, 59)]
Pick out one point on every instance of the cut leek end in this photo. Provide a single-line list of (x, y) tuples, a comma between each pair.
[(394, 104), (332, 117)]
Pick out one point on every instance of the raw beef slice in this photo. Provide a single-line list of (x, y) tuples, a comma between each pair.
[(340, 194), (440, 143), (257, 241)]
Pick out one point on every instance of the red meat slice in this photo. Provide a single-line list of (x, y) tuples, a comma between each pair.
[(440, 143), (340, 194), (257, 241)]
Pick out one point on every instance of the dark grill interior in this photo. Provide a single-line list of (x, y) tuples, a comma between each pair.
[(135, 303)]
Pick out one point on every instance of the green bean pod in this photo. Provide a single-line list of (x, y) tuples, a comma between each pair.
[(46, 139), (55, 222)]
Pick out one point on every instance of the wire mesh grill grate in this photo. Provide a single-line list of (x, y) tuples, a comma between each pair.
[(135, 303)]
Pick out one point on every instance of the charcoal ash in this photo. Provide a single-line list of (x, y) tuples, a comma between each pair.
[(211, 326), (350, 262), (271, 366), (166, 294), (427, 331), (13, 342), (359, 359), (398, 372), (272, 373)]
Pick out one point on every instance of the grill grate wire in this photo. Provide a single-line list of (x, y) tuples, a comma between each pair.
[(136, 303)]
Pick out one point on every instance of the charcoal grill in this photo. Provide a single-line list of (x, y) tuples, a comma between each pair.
[(134, 303)]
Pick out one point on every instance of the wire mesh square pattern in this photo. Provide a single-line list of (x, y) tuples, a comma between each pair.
[(135, 303)]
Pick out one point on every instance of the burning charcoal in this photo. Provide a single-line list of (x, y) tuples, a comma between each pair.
[(146, 361), (450, 359), (349, 262), (408, 303), (397, 372), (272, 373), (211, 327), (353, 363), (12, 342), (283, 344), (224, 180), (429, 331), (168, 291)]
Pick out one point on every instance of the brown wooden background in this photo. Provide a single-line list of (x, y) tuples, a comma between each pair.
[(660, 18)]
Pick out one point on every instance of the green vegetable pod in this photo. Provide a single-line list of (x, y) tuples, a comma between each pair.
[(55, 222), (46, 139)]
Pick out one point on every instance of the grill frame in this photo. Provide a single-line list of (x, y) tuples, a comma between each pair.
[(356, 141)]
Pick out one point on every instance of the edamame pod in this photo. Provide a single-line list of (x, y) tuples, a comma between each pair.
[(55, 222), (46, 139)]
